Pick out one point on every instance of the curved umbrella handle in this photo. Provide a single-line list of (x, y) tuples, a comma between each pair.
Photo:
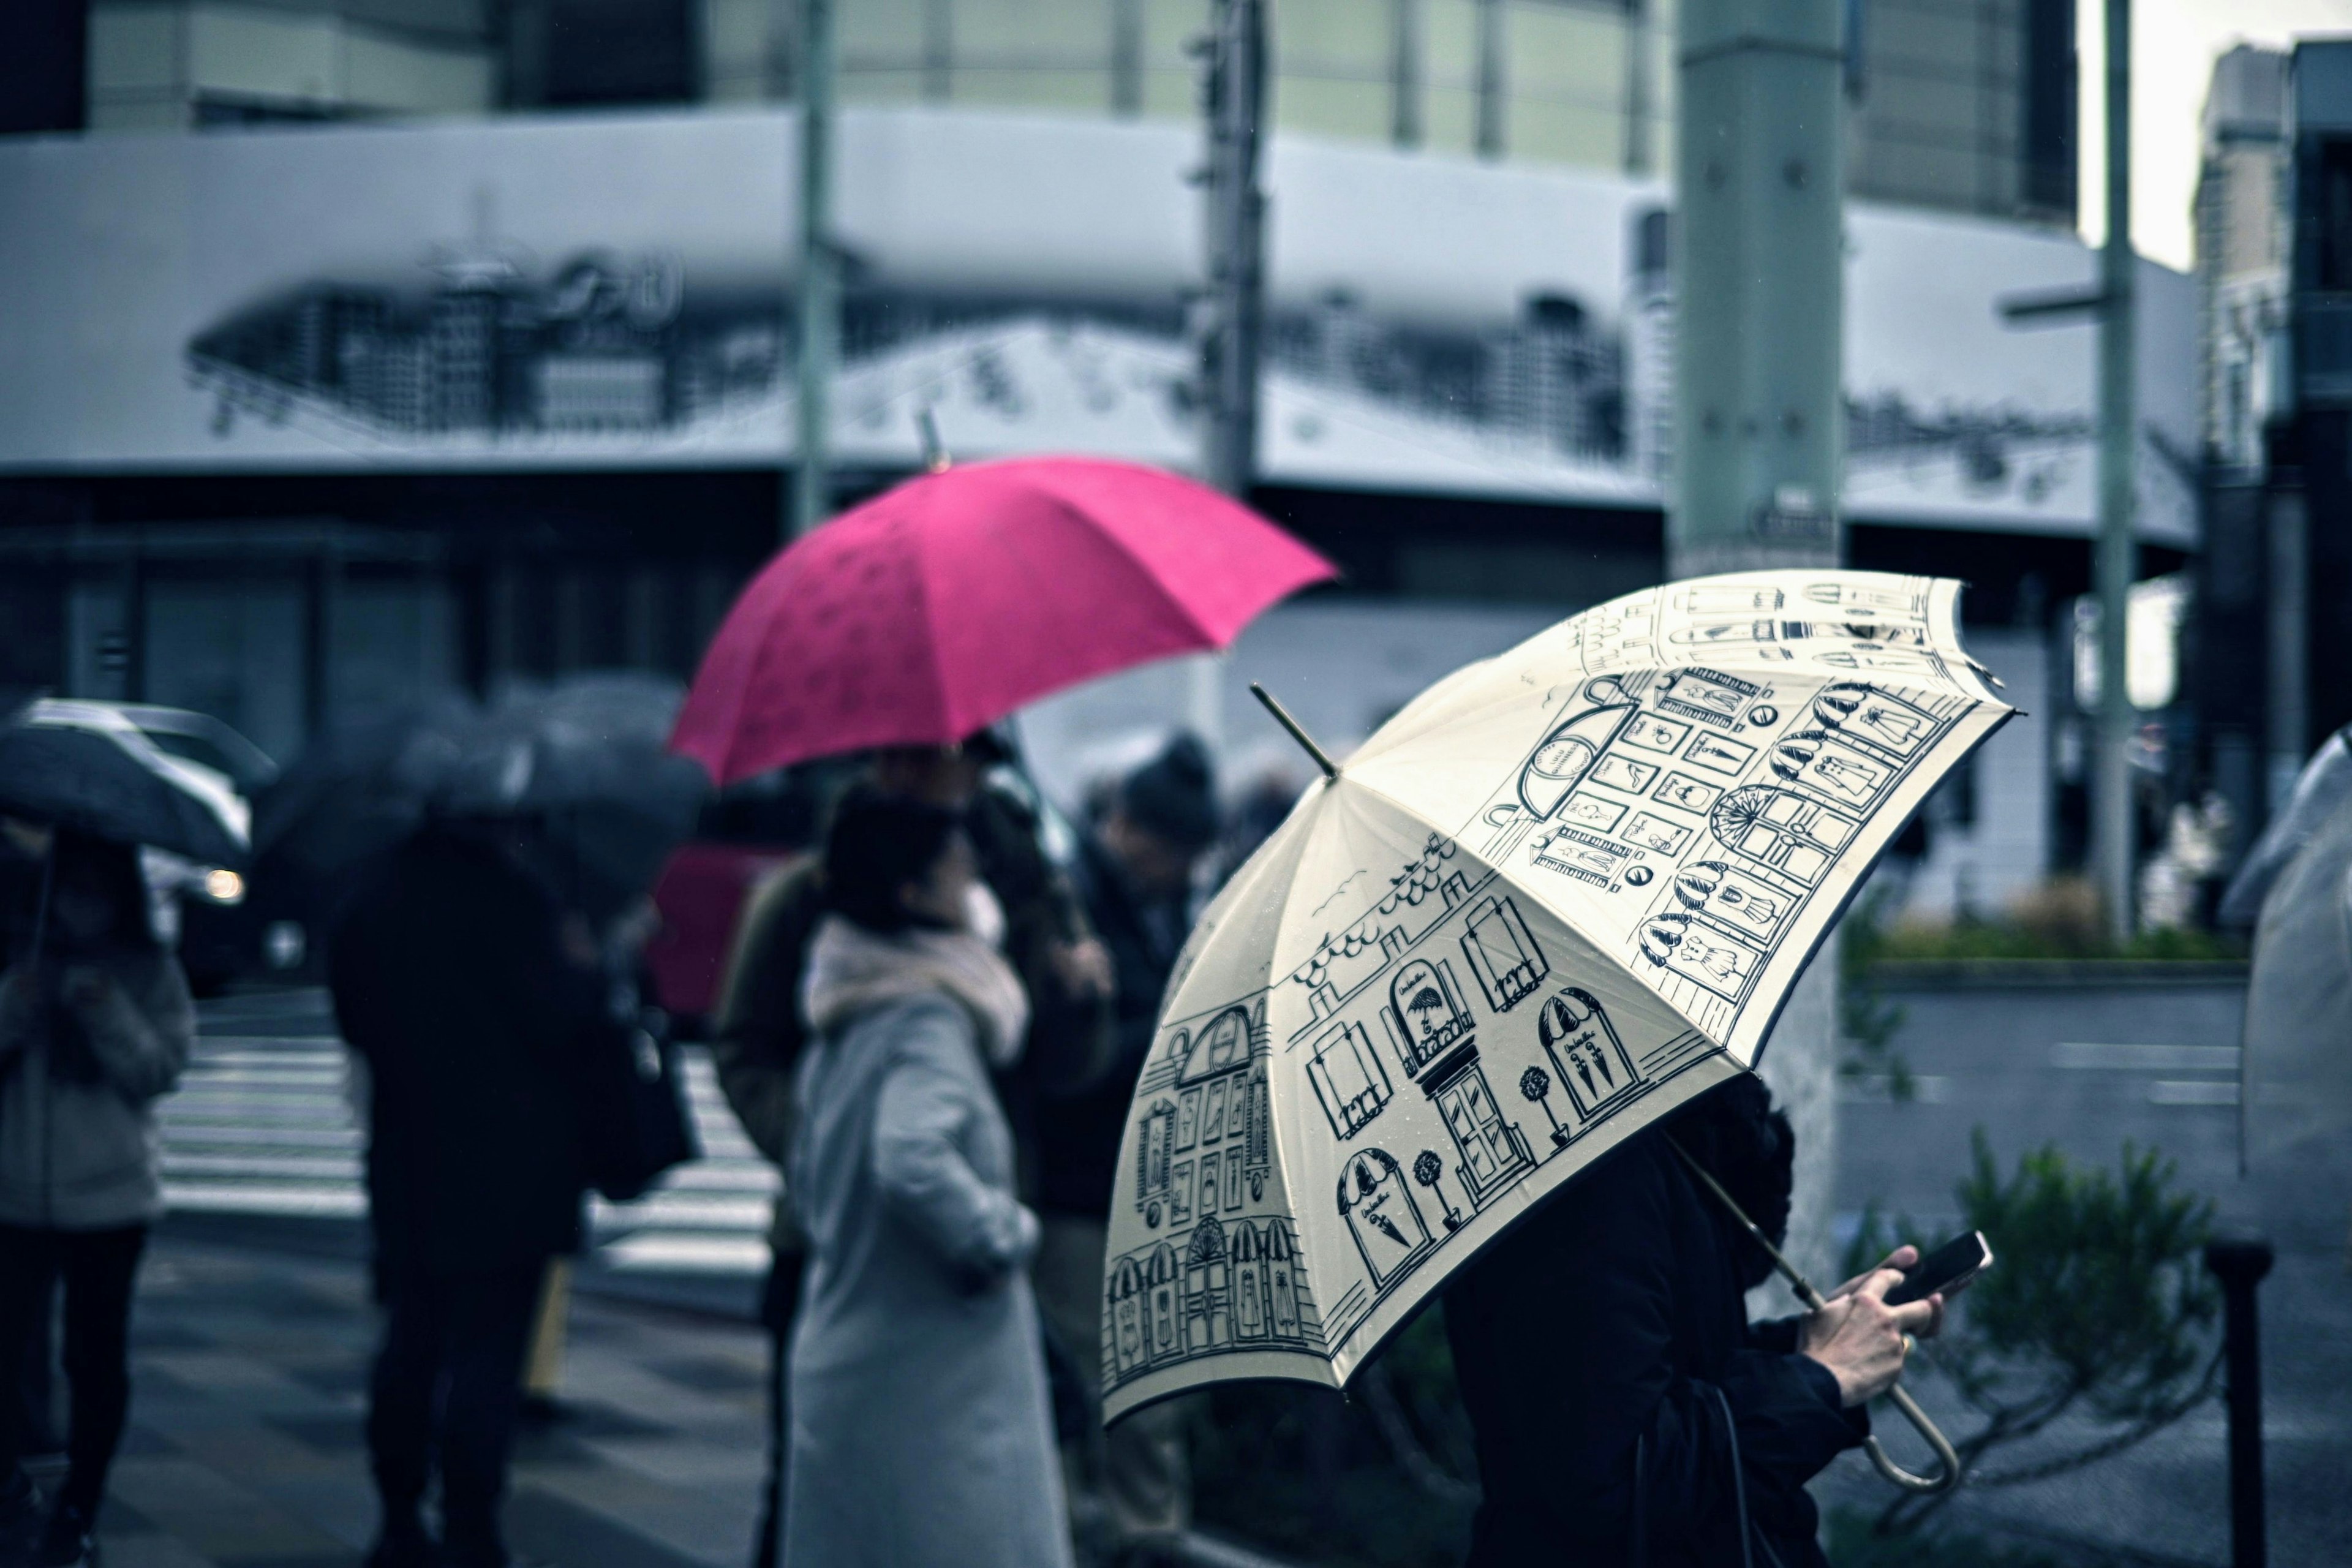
[(1948, 1462)]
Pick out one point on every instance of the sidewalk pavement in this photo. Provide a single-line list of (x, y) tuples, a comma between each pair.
[(249, 1372)]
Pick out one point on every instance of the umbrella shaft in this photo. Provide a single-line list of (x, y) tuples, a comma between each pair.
[(1803, 1287)]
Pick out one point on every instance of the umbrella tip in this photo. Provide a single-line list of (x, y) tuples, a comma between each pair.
[(1281, 717), (935, 453)]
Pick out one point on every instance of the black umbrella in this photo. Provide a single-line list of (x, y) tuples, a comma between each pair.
[(583, 758), (587, 757), (84, 766)]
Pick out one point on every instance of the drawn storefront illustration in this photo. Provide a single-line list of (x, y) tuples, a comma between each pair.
[(1227, 1277)]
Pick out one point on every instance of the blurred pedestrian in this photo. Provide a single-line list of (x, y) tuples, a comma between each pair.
[(452, 979), (23, 851), (1259, 807), (922, 1433), (1136, 871), (95, 1025), (760, 1029), (1668, 1430)]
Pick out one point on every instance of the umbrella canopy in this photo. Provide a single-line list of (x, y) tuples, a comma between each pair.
[(1552, 899), (2296, 1059), (586, 755), (2320, 793), (83, 765), (942, 605)]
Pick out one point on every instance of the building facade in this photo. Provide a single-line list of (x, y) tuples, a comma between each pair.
[(2273, 620), (1959, 105)]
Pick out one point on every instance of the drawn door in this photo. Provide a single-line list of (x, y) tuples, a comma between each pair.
[(1165, 1339), (1208, 1316), (1281, 1260), (1489, 1153), (1377, 1205), (1249, 1283), (1126, 1319)]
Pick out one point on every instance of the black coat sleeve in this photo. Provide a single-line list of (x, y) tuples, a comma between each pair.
[(1573, 1341)]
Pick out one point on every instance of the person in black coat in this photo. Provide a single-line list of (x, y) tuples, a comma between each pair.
[(1626, 1411), (1135, 869), (453, 979)]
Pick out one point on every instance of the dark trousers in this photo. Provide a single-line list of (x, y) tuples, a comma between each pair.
[(778, 1301), (36, 1393), (447, 1383), (99, 1269)]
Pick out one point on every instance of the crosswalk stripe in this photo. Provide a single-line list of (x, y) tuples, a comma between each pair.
[(262, 1125)]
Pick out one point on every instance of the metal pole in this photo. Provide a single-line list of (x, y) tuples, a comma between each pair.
[(819, 337), (1236, 95), (1758, 437), (2111, 810), (2240, 1265), (1489, 135)]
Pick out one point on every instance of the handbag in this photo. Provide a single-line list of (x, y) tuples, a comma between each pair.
[(638, 1126)]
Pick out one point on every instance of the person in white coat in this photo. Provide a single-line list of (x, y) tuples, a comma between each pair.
[(922, 1433)]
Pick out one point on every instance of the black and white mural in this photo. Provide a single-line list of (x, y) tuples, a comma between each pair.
[(617, 290)]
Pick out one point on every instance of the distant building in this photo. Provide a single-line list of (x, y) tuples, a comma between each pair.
[(2272, 626), (2241, 253), (1965, 105), (1960, 105)]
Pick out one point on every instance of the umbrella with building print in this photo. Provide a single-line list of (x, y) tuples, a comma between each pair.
[(1552, 899)]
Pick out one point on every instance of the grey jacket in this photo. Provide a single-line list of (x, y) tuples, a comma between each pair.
[(921, 1435), (76, 1155)]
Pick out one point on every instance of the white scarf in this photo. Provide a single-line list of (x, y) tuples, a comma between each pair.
[(852, 970)]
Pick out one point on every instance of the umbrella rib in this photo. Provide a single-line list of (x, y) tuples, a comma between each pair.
[(1414, 814), (1150, 573)]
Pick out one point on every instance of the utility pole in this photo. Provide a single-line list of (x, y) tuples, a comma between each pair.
[(2118, 551), (1235, 99), (1759, 441), (809, 500), (1234, 102)]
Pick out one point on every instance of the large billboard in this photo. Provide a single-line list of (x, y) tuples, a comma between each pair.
[(615, 291)]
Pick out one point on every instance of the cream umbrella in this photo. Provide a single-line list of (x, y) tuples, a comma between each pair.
[(1560, 894)]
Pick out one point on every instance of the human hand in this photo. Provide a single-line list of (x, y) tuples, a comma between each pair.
[(1904, 1258), (1084, 968), (1861, 1339)]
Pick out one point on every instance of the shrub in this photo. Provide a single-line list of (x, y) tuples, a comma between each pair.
[(2096, 1306)]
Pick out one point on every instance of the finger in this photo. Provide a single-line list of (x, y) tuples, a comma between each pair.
[(1904, 1256), (1851, 1286), (1878, 1282), (1912, 1317), (1936, 1323)]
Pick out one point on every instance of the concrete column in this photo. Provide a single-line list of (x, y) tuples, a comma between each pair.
[(1758, 412)]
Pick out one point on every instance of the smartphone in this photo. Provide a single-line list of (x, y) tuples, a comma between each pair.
[(1947, 1269)]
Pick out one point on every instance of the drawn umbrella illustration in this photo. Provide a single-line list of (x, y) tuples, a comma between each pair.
[(1590, 869)]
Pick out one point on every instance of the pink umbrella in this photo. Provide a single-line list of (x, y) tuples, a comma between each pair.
[(942, 605)]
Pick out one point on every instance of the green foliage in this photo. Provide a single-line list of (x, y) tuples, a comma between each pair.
[(2096, 1306)]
